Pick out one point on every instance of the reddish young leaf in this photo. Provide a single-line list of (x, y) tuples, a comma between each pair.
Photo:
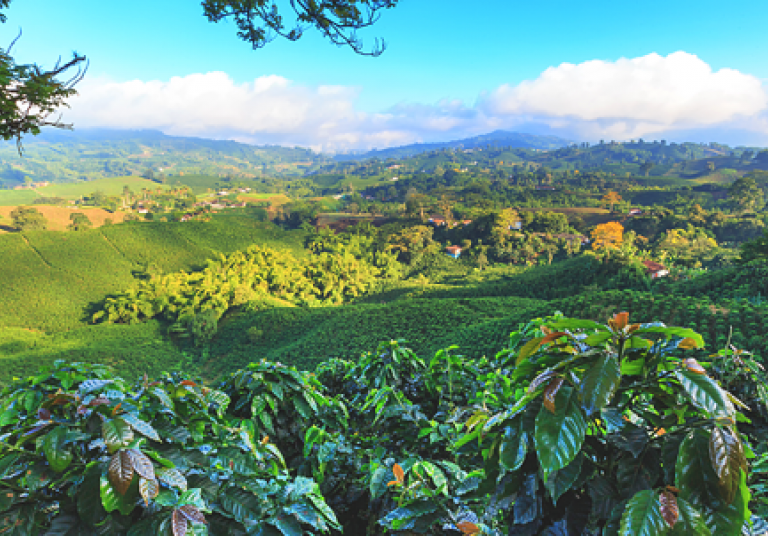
[(399, 473), (141, 464), (688, 344), (117, 408), (190, 383), (550, 393), (99, 401), (694, 366), (553, 337), (540, 380), (43, 414), (669, 510), (149, 489), (61, 399), (192, 513), (468, 528), (179, 523), (619, 321), (121, 471)]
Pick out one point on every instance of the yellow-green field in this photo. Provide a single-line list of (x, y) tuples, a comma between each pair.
[(58, 216), (109, 186)]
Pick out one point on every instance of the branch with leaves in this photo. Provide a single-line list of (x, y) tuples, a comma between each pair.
[(260, 22)]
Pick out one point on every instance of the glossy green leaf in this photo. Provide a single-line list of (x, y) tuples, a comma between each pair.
[(561, 481), (705, 393), (670, 332), (694, 475), (726, 455), (729, 519), (599, 383), (559, 436), (112, 500), (89, 504), (642, 516), (55, 451), (142, 427), (690, 522), (514, 445), (528, 349), (288, 525), (116, 433), (172, 477), (162, 396), (242, 504)]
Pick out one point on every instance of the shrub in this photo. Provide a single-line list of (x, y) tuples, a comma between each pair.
[(83, 452)]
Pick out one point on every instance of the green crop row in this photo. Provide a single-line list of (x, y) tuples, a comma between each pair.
[(305, 337)]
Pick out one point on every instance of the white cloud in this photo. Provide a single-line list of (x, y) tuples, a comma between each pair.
[(628, 98), (632, 97)]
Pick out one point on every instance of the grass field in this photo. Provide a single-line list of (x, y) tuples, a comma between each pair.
[(12, 198), (275, 199), (109, 186), (74, 190), (58, 217)]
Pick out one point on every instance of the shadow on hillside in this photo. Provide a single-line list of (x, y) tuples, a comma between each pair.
[(8, 229)]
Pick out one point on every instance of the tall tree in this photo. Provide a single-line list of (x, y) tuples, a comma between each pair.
[(80, 222), (745, 195), (28, 219), (607, 236), (611, 198)]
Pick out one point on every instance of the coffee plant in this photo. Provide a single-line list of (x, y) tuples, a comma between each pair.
[(574, 428)]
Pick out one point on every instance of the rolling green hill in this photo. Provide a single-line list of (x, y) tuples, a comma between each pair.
[(51, 279)]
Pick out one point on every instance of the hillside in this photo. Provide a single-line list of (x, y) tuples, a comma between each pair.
[(498, 138), (97, 153), (52, 279)]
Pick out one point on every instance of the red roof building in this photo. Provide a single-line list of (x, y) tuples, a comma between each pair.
[(654, 269), (453, 251)]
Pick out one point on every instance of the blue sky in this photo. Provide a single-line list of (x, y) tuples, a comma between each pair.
[(650, 69)]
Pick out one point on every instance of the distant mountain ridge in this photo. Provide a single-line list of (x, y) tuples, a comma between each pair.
[(498, 138), (87, 154)]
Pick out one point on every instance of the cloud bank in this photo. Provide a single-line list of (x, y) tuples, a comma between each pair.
[(648, 96)]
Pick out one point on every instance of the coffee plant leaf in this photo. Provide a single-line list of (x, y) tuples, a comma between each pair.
[(121, 471), (705, 394), (58, 456), (599, 383), (690, 521), (559, 436), (642, 516)]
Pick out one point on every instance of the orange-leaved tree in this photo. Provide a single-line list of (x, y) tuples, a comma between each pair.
[(611, 198), (607, 236)]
